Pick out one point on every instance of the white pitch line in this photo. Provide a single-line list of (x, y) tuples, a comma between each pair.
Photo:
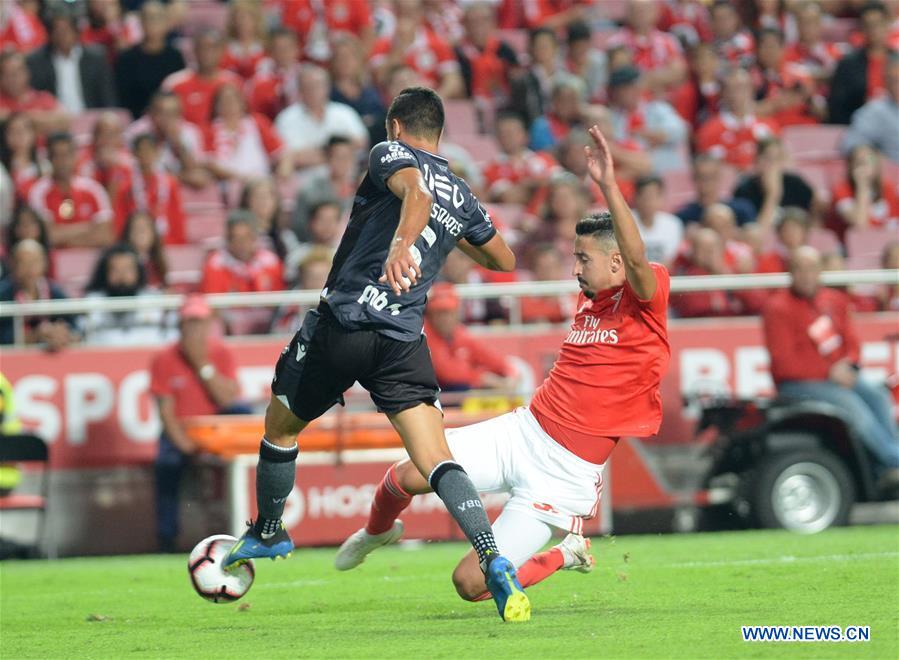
[(786, 559)]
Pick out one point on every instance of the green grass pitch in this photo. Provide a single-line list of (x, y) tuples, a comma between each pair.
[(680, 596)]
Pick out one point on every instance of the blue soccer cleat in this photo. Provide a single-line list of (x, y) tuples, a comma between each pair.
[(252, 546), (511, 601)]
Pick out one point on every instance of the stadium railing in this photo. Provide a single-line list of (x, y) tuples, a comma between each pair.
[(511, 292)]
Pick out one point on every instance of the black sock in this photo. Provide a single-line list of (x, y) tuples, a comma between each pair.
[(453, 485), (275, 475)]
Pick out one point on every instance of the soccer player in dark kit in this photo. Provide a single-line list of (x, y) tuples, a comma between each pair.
[(409, 212)]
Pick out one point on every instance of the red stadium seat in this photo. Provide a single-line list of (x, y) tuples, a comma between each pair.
[(507, 215), (805, 143), (678, 189), (824, 241), (83, 123), (206, 226), (461, 119), (819, 177), (867, 244), (205, 14), (614, 10), (72, 268), (481, 148), (202, 199), (185, 264)]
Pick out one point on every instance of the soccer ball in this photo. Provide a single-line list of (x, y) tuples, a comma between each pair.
[(207, 576)]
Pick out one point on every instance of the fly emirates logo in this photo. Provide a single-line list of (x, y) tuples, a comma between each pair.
[(589, 332)]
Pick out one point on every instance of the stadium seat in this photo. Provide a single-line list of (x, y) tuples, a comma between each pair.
[(838, 29), (819, 177), (26, 448), (507, 216), (185, 264), (202, 199), (824, 241), (83, 123), (461, 119), (868, 243), (205, 14), (72, 268), (614, 10), (206, 226), (481, 148), (678, 189), (811, 143)]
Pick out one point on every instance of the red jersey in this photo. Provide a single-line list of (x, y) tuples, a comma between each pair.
[(245, 62), (84, 200), (819, 59), (24, 31), (607, 377), (687, 20), (738, 50), (772, 84), (806, 336), (461, 362), (197, 93), (537, 12), (113, 178), (734, 140), (128, 31), (317, 21), (172, 377), (490, 71), (876, 85), (30, 100), (159, 194), (429, 55), (503, 171), (881, 213), (222, 273), (272, 89), (652, 51)]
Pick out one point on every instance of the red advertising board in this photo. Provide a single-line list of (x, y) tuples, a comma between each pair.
[(94, 407)]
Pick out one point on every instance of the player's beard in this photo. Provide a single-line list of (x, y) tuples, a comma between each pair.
[(587, 292)]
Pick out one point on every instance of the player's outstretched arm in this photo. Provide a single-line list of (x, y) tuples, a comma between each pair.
[(495, 254), (636, 266), (400, 270)]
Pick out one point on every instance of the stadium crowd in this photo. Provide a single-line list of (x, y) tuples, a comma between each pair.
[(216, 146)]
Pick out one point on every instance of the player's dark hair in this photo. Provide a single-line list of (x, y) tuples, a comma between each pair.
[(599, 226), (419, 110), (648, 180)]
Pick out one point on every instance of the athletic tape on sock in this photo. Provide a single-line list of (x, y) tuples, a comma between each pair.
[(272, 452)]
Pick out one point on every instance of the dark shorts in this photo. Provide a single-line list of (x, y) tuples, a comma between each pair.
[(324, 359)]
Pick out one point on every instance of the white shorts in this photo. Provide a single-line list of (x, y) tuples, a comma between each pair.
[(512, 453)]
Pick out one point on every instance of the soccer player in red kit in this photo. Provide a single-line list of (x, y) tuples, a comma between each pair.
[(550, 456)]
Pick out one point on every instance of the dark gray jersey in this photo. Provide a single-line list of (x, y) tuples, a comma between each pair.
[(353, 292)]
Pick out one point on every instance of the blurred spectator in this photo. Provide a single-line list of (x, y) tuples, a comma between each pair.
[(461, 361), (888, 297), (119, 273), (662, 232), (181, 142), (877, 122), (245, 49), (653, 124), (260, 197), (554, 14), (351, 86), (197, 87), (195, 376), (19, 153), (105, 26), (706, 257), (860, 77), (106, 160), (732, 134), (416, 46), (586, 61), (865, 197), (316, 22), (515, 172), (140, 70), (792, 233), (460, 269), (28, 282), (17, 95), (335, 180), (312, 275), (738, 256), (142, 235), (772, 187), (785, 90), (274, 86), (531, 89), (734, 45), (566, 203), (688, 20), (487, 61), (243, 266), (242, 146), (21, 28), (565, 112), (699, 99), (24, 224), (324, 229), (76, 209), (7, 193), (760, 15), (151, 189), (707, 181), (547, 266), (811, 50), (657, 54), (79, 76), (307, 126), (815, 352), (443, 18)]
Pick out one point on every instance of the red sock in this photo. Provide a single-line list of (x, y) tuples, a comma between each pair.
[(390, 500), (536, 569)]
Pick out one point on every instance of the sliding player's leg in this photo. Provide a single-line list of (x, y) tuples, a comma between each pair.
[(421, 428)]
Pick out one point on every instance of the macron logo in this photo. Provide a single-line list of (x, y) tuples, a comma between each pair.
[(470, 504)]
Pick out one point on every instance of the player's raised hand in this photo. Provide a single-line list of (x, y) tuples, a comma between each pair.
[(599, 158), (400, 270)]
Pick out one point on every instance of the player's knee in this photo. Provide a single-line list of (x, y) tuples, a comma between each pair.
[(281, 429), (468, 585)]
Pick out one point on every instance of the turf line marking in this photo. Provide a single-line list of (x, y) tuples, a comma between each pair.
[(786, 559)]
